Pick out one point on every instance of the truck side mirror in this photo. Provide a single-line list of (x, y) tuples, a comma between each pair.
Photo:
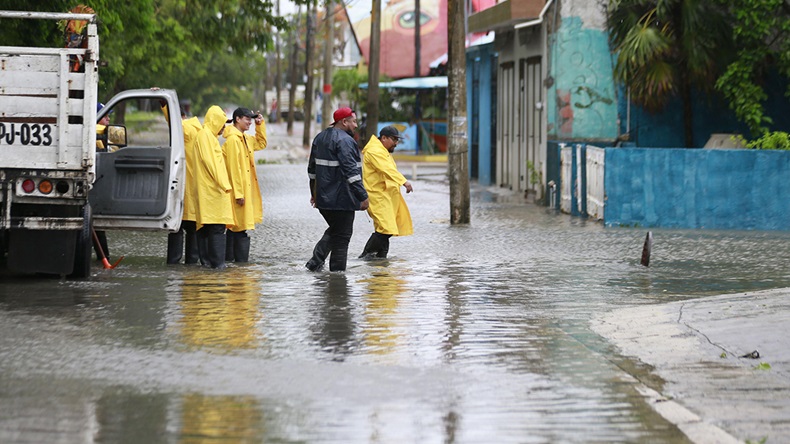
[(116, 136)]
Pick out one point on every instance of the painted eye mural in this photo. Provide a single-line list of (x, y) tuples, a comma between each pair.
[(398, 22), (407, 20)]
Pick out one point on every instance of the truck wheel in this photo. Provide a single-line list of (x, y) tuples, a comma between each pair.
[(82, 252)]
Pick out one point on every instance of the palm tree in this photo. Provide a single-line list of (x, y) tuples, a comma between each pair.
[(666, 47)]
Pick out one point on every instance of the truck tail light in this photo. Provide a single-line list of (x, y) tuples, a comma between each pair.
[(45, 187), (62, 187), (28, 186)]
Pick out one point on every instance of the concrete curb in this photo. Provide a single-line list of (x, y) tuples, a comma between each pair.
[(712, 392)]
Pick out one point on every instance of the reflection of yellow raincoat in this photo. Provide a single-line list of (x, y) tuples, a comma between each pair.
[(191, 128), (211, 176), (382, 182), (239, 150)]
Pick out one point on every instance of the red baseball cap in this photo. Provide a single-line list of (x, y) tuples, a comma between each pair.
[(341, 114)]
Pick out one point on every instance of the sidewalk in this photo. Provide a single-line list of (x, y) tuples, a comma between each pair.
[(713, 393)]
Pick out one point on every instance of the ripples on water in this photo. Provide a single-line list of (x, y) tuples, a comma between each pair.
[(466, 334)]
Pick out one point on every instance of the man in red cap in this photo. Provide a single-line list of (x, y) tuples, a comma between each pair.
[(335, 172)]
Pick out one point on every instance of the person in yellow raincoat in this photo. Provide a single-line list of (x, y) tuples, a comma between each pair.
[(382, 181), (213, 209), (239, 150), (175, 241)]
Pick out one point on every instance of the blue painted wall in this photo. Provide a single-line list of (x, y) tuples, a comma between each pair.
[(582, 102), (711, 115), (697, 188)]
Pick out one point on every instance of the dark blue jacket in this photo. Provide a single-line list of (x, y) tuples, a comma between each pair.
[(335, 171)]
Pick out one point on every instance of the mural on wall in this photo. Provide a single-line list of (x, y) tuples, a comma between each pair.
[(584, 105), (398, 20)]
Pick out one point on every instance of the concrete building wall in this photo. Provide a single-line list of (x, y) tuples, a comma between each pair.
[(582, 95)]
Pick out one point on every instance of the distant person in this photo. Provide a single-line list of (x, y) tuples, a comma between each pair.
[(213, 188), (382, 181), (336, 188), (188, 229), (239, 150)]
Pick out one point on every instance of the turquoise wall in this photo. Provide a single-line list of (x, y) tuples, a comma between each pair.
[(697, 188), (582, 101)]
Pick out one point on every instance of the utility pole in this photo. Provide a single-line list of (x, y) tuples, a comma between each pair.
[(278, 74), (294, 60), (326, 108), (417, 67), (308, 90), (372, 122), (457, 140)]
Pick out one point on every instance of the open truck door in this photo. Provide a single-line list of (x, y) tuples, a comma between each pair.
[(140, 168)]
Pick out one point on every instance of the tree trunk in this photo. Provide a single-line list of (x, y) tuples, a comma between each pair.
[(326, 104), (308, 90), (457, 140), (293, 79), (278, 80), (417, 68), (372, 121)]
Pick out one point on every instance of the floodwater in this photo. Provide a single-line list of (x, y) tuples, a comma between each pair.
[(470, 334)]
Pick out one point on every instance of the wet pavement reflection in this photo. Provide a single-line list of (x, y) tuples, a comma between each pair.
[(465, 334)]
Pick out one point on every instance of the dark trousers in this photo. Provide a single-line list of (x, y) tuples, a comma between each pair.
[(175, 244), (334, 242), (211, 245)]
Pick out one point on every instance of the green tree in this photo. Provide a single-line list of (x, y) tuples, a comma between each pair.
[(666, 47), (760, 29), (162, 43)]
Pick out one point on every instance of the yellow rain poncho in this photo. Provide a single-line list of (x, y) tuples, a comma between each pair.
[(211, 177), (382, 182), (191, 127), (239, 150)]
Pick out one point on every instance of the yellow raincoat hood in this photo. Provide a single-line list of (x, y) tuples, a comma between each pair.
[(215, 119)]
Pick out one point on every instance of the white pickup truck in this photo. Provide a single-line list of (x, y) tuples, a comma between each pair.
[(54, 185)]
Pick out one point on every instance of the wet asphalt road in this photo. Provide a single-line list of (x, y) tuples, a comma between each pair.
[(466, 334)]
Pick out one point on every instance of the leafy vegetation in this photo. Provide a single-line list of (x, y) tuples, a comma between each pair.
[(761, 33), (210, 52), (666, 47)]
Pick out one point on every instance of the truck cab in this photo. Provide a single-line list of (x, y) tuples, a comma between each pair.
[(140, 171)]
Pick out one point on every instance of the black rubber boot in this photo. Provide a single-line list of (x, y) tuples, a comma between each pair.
[(320, 252), (370, 246), (192, 255), (216, 248), (202, 236), (241, 248), (175, 245), (384, 245), (229, 246)]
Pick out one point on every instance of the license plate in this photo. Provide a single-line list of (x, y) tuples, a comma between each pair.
[(34, 134)]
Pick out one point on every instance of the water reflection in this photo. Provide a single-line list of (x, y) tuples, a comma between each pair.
[(334, 327), (208, 419), (220, 310), (384, 289)]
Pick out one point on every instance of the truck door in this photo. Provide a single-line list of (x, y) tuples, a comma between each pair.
[(139, 181)]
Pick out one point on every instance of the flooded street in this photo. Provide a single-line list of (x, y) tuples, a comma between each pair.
[(471, 334)]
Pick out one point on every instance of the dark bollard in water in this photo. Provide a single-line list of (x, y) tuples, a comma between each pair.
[(647, 248)]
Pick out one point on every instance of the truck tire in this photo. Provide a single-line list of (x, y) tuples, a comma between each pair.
[(82, 251)]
